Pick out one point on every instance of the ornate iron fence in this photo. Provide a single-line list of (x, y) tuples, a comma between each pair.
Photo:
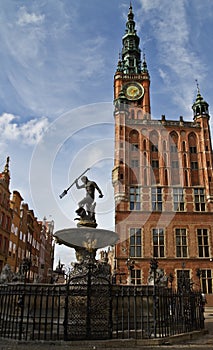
[(154, 312), (96, 311)]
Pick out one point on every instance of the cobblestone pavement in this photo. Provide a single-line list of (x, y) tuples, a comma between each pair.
[(203, 342)]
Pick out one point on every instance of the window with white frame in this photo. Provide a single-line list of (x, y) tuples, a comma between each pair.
[(135, 198), (158, 242), (135, 243), (199, 199), (178, 199), (136, 276), (181, 243), (203, 243), (206, 281), (157, 199)]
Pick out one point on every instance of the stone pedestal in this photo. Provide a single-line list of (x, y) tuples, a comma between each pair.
[(88, 305)]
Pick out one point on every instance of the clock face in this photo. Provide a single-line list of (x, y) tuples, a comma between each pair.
[(133, 91)]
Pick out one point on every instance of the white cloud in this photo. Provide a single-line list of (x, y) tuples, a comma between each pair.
[(171, 29), (29, 133), (45, 58), (25, 18)]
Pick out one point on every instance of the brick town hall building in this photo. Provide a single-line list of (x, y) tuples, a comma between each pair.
[(163, 181)]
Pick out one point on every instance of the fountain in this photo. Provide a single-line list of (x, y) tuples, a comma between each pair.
[(86, 238), (88, 304)]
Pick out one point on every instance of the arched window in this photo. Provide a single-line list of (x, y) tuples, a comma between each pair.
[(166, 177), (134, 140), (145, 177), (144, 159), (132, 114), (174, 161), (139, 114), (184, 161), (154, 157), (134, 157), (186, 178), (184, 146), (193, 158)]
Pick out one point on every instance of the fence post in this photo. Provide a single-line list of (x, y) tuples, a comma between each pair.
[(65, 323), (88, 315), (21, 306)]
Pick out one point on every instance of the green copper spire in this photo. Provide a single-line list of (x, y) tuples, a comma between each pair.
[(131, 53), (200, 106)]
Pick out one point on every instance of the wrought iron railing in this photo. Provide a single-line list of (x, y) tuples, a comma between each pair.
[(72, 311)]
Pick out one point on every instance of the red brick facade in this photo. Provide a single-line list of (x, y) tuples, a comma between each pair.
[(163, 182)]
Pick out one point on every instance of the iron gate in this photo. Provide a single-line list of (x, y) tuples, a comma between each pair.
[(88, 307)]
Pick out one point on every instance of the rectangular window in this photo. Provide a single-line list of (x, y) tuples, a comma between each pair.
[(156, 199), (10, 246), (158, 242), (6, 245), (206, 281), (136, 276), (173, 149), (155, 164), (199, 198), (14, 248), (175, 164), (183, 279), (154, 148), (134, 147), (178, 199), (193, 149), (135, 246), (203, 243), (181, 243), (135, 198), (194, 165), (134, 163)]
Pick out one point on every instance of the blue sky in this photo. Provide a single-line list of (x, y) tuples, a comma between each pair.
[(58, 59)]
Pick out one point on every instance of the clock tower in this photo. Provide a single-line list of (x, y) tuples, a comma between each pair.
[(132, 106), (131, 80)]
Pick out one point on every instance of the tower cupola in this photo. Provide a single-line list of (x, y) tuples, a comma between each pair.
[(200, 106), (131, 53)]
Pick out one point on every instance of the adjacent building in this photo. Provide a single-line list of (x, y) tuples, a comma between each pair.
[(24, 241), (5, 214), (163, 181)]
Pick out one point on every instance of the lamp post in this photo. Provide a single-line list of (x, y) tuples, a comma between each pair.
[(171, 279), (199, 274), (153, 267), (26, 263), (130, 266)]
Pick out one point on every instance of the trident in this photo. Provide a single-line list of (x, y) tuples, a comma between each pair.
[(65, 191)]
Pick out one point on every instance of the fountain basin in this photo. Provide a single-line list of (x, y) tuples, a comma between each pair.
[(86, 236)]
